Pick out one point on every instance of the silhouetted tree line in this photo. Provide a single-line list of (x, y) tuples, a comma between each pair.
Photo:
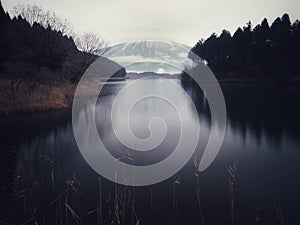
[(261, 52), (36, 51)]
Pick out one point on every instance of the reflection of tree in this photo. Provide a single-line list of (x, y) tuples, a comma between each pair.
[(259, 111)]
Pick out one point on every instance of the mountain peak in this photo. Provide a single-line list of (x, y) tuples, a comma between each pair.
[(150, 55)]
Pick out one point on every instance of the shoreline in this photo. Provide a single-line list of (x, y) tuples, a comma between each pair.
[(28, 98)]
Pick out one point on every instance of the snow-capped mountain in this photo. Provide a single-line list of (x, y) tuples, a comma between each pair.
[(150, 56)]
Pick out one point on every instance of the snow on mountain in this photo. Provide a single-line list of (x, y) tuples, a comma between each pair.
[(150, 56)]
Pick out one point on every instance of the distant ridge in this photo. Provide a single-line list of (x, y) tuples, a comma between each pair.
[(150, 56)]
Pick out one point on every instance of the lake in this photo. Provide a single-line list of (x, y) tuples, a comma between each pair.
[(255, 178)]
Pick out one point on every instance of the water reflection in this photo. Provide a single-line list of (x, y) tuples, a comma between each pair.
[(258, 111), (262, 138), (140, 116)]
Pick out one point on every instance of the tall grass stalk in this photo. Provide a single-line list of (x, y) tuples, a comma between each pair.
[(232, 183)]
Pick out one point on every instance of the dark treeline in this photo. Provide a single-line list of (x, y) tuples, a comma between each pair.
[(33, 50), (262, 52), (38, 53), (40, 65)]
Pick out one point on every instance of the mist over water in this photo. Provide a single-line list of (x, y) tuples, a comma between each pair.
[(262, 140)]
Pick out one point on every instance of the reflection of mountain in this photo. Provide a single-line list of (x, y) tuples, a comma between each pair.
[(45, 159), (150, 56)]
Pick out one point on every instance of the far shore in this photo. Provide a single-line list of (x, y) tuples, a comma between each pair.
[(29, 97), (254, 77)]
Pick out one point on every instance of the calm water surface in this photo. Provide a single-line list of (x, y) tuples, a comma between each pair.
[(44, 178)]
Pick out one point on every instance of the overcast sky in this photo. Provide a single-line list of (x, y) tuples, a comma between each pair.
[(183, 21)]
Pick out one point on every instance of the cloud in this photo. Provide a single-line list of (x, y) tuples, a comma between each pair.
[(183, 21)]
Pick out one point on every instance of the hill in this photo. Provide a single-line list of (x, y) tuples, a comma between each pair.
[(39, 67)]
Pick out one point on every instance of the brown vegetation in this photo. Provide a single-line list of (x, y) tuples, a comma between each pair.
[(22, 97), (28, 96)]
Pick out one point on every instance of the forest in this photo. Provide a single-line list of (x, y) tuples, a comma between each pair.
[(40, 63), (261, 53)]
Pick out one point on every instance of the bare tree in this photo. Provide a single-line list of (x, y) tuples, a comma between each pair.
[(36, 14), (91, 43), (88, 42), (30, 13)]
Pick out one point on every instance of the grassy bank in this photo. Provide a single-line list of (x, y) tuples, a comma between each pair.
[(26, 96), (19, 96)]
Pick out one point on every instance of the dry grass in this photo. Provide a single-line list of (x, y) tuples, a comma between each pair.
[(26, 96), (232, 180)]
